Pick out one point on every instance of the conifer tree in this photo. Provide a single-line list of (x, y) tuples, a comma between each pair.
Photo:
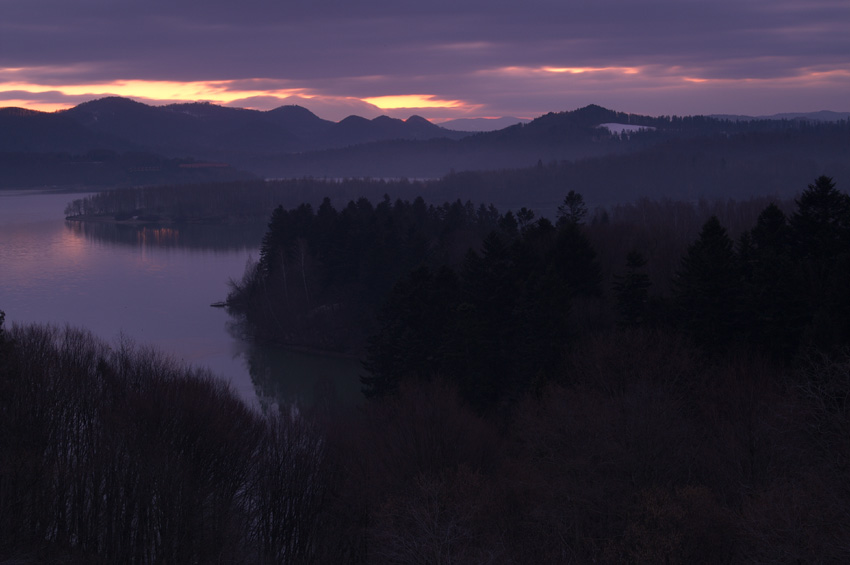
[(820, 232), (773, 309), (707, 288), (573, 210)]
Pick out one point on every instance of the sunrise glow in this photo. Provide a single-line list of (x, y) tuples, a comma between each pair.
[(219, 92), (582, 70), (412, 101)]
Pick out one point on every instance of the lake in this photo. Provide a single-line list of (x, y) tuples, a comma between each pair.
[(153, 284)]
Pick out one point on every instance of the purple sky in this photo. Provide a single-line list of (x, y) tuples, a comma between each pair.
[(440, 59)]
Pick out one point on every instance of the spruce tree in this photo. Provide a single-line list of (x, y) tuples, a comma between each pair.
[(573, 210), (820, 232), (708, 288), (773, 307)]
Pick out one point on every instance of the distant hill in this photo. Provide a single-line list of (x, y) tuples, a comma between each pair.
[(821, 116), (209, 131), (554, 137), (482, 124), (199, 140), (192, 132), (107, 169), (26, 131)]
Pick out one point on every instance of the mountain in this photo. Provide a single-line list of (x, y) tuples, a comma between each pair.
[(355, 130), (482, 124), (291, 141), (175, 136), (152, 128), (27, 131), (209, 131), (570, 137), (300, 121)]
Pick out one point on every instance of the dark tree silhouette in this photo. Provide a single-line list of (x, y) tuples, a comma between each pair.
[(774, 302), (820, 229), (632, 291), (573, 210), (707, 288), (524, 217), (413, 326)]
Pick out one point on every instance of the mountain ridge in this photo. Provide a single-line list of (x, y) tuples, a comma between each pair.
[(291, 141)]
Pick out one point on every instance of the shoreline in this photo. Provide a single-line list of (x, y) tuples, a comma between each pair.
[(278, 344)]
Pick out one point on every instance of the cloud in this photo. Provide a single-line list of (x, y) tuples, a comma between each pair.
[(497, 57)]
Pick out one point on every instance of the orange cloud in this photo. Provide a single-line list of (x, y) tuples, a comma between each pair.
[(220, 92), (59, 97), (412, 101), (806, 77), (582, 70), (34, 105), (549, 70)]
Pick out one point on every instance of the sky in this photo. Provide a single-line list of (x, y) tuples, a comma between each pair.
[(440, 59)]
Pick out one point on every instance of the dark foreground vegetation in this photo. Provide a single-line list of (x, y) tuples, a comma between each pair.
[(645, 452), (632, 386), (119, 455)]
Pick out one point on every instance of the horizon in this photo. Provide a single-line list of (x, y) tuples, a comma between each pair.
[(442, 61), (435, 121)]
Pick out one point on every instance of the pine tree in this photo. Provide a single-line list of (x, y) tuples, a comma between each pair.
[(708, 288), (820, 232), (573, 210), (773, 309)]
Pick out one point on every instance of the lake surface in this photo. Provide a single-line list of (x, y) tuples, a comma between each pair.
[(153, 284)]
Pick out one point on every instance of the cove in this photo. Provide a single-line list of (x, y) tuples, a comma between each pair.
[(154, 285)]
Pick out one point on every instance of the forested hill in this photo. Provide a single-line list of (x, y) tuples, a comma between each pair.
[(291, 142), (197, 130), (753, 164), (322, 274), (576, 136)]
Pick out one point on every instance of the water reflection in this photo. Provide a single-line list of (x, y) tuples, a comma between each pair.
[(152, 284), (161, 237), (215, 237)]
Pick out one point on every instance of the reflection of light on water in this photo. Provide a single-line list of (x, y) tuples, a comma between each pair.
[(76, 228), (142, 281), (72, 240), (151, 238), (157, 236), (31, 251)]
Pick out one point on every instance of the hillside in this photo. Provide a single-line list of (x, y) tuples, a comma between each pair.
[(710, 153)]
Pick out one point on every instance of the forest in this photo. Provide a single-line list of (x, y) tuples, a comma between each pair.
[(776, 162), (652, 382), (322, 275)]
